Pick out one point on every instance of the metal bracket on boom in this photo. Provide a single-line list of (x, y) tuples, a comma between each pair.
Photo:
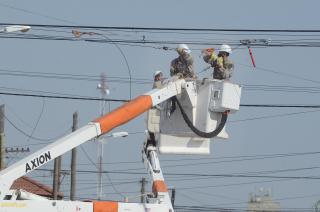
[(152, 164)]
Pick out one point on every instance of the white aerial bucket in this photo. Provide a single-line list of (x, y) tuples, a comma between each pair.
[(203, 102)]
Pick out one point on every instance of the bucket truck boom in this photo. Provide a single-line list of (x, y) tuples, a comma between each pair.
[(92, 130), (203, 104)]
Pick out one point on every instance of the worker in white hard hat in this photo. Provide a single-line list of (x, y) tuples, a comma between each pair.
[(158, 79), (222, 65), (154, 113), (182, 65)]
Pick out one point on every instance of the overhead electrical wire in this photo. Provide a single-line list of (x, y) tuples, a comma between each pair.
[(315, 45), (274, 43), (35, 13), (283, 74), (125, 60), (282, 88), (272, 116), (232, 121), (223, 159), (204, 175), (167, 28), (31, 136), (248, 87), (64, 97), (159, 42), (126, 100), (41, 92), (217, 208), (275, 199), (220, 162), (81, 77), (11, 110), (96, 166), (38, 119)]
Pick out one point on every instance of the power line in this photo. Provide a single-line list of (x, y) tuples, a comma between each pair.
[(280, 106), (94, 164), (35, 13), (31, 136), (126, 100), (228, 161), (82, 77), (272, 116), (64, 97), (231, 209), (248, 87), (159, 42), (168, 28), (204, 175), (283, 74), (38, 119), (125, 60), (221, 159)]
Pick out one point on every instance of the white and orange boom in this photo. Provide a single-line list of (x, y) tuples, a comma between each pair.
[(202, 104)]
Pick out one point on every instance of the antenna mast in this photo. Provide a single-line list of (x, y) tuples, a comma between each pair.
[(104, 91)]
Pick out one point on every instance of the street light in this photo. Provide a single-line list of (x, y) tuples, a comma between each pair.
[(118, 134), (15, 28), (103, 139), (101, 142), (102, 86)]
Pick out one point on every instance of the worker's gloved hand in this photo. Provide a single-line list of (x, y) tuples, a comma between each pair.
[(206, 58), (179, 75), (208, 51)]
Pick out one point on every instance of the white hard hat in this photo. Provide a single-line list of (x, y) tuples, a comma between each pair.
[(183, 47), (225, 48), (156, 73)]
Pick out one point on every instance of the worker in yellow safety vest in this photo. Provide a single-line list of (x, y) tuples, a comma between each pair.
[(183, 65), (222, 65)]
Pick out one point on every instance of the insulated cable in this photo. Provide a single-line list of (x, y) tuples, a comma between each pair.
[(198, 132)]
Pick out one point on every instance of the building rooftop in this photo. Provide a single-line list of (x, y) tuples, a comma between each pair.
[(35, 187)]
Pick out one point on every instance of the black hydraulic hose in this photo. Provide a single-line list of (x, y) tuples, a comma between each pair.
[(198, 132)]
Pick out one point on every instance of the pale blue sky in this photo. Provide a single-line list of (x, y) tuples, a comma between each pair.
[(287, 134)]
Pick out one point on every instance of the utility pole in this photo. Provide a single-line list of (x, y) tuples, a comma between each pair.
[(73, 160), (173, 196), (2, 139), (16, 151), (143, 190), (56, 177)]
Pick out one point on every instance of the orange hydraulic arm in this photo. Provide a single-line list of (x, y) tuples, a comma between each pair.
[(100, 126), (124, 113)]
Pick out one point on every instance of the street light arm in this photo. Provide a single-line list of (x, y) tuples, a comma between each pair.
[(78, 34), (119, 134), (16, 28)]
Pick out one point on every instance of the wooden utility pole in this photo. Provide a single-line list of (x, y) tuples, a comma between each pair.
[(143, 190), (173, 196), (56, 177), (73, 160), (2, 139)]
